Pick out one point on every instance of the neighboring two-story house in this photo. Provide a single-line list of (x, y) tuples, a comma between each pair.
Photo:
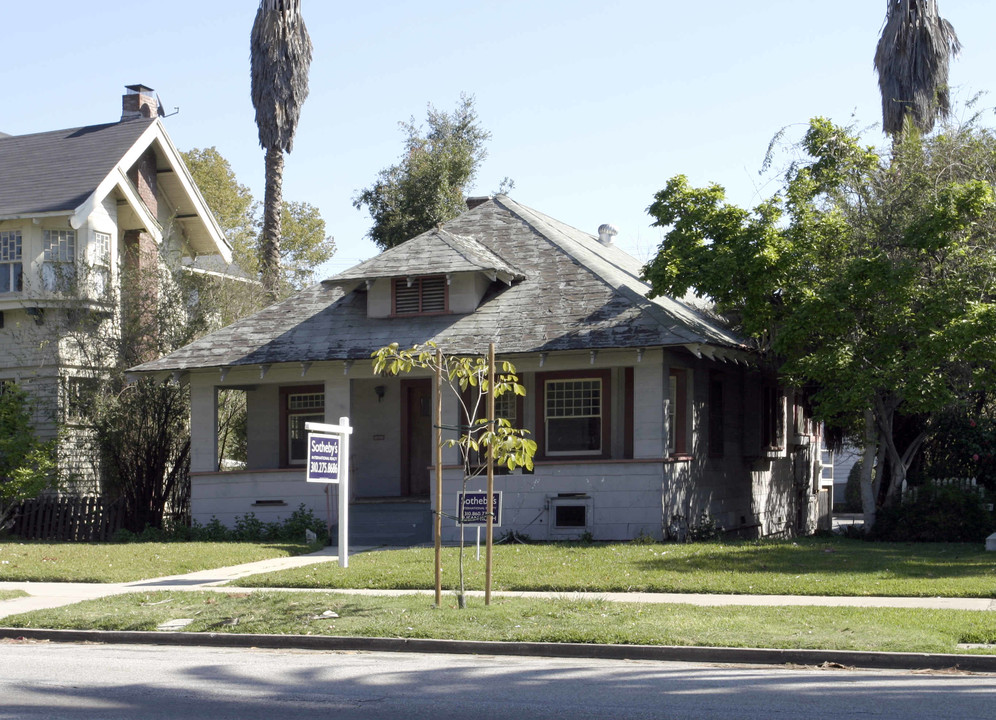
[(77, 208), (650, 415)]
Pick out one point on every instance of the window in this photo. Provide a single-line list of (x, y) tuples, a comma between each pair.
[(101, 261), (677, 413), (507, 407), (717, 416), (575, 414), (771, 418), (420, 296), (78, 395), (11, 268), (570, 515), (299, 405), (59, 270)]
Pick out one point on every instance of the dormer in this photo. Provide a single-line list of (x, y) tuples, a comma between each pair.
[(435, 273)]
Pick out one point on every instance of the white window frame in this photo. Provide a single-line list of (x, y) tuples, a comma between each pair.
[(11, 257), (59, 255), (578, 403), (101, 261)]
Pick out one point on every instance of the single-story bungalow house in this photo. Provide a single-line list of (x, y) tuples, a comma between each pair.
[(651, 416)]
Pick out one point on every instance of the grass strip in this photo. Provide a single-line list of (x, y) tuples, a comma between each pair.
[(126, 562), (11, 594), (566, 619), (807, 566)]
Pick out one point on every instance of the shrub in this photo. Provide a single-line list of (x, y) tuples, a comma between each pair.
[(944, 514), (852, 491), (248, 528)]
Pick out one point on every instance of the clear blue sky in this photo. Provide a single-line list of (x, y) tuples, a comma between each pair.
[(592, 105)]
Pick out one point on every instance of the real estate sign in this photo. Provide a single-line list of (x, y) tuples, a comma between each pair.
[(328, 462), (472, 508), (323, 458)]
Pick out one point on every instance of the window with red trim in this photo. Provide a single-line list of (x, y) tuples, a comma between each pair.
[(573, 414), (298, 405)]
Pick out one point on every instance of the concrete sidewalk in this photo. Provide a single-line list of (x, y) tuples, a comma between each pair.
[(43, 595)]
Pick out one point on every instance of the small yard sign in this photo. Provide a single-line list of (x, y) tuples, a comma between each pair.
[(472, 508)]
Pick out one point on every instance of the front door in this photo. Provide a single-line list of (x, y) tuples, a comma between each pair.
[(416, 447)]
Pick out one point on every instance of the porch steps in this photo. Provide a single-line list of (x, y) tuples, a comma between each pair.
[(390, 523)]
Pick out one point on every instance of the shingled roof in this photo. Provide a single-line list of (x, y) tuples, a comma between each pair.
[(574, 293), (58, 170), (72, 171), (427, 254)]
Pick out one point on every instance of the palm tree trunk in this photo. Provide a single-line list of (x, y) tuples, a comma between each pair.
[(272, 208)]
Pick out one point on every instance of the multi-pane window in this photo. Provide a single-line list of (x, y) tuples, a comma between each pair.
[(421, 295), (101, 262), (101, 249), (506, 406), (302, 407), (59, 253), (11, 268), (573, 416)]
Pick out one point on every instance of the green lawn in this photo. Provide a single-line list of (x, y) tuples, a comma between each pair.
[(513, 619), (125, 562), (807, 566), (11, 594)]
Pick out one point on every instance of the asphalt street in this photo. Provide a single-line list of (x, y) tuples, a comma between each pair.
[(72, 682)]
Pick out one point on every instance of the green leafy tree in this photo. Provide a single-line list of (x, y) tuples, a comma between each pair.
[(912, 63), (467, 379), (280, 58), (428, 186), (231, 202), (27, 465), (304, 246), (869, 277)]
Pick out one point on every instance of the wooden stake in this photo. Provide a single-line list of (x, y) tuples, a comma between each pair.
[(438, 525), (491, 475)]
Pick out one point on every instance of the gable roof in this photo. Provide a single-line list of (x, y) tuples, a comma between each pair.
[(574, 294), (71, 172), (431, 253)]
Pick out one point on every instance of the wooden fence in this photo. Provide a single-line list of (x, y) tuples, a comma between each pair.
[(80, 518)]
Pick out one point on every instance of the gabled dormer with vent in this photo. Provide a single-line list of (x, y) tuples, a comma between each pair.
[(435, 273)]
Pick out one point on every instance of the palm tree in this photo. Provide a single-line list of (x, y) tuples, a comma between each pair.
[(280, 56), (912, 64)]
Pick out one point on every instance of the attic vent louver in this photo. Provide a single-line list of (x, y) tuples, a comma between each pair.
[(605, 233)]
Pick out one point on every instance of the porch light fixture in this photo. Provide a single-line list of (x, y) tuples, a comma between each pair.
[(380, 390)]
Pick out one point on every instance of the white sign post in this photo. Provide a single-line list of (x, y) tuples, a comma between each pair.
[(328, 462)]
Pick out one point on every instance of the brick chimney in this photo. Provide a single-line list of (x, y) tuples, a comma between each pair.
[(138, 102)]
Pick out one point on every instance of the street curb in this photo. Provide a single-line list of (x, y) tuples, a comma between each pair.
[(749, 656)]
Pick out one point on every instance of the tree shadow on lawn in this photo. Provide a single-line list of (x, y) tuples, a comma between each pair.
[(838, 557)]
